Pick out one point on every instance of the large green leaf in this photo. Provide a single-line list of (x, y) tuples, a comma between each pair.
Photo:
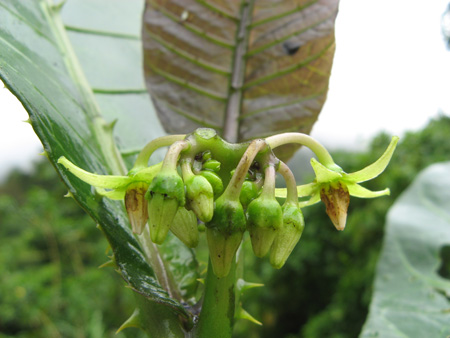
[(246, 68), (411, 299), (38, 64)]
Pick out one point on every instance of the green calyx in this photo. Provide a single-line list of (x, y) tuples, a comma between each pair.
[(168, 183), (222, 249), (287, 235), (264, 217), (229, 216)]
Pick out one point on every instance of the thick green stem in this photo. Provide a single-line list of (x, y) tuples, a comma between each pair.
[(217, 315)]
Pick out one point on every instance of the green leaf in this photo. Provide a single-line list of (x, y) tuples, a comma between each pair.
[(39, 65), (411, 299), (246, 68)]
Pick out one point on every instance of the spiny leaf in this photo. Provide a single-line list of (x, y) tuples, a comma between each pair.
[(39, 65)]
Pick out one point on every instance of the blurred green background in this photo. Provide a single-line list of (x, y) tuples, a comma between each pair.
[(50, 253)]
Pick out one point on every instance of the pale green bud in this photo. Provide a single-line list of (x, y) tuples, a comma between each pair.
[(264, 216), (214, 180), (222, 249), (200, 197), (185, 227), (287, 236)]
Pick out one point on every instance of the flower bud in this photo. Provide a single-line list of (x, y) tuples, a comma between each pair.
[(214, 180), (184, 226), (222, 248), (288, 235), (200, 197), (162, 211), (264, 216), (165, 195), (212, 165), (249, 192), (136, 206), (336, 198)]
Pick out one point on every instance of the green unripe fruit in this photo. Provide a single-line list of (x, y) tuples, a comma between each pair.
[(222, 249), (287, 236), (228, 216), (200, 197), (213, 165), (184, 226), (249, 192), (264, 216), (214, 180)]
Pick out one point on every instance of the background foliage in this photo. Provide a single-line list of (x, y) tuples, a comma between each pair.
[(50, 284)]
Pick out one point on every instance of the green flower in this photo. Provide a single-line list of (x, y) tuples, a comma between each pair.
[(334, 187), (130, 188)]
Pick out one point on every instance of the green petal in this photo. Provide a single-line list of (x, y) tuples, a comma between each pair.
[(375, 168), (147, 174), (99, 181), (323, 174), (281, 192), (307, 189), (313, 200), (359, 191), (118, 194), (302, 190)]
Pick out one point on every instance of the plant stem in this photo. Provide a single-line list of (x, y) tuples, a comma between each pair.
[(291, 185), (233, 189), (217, 315), (144, 155), (319, 150), (171, 159)]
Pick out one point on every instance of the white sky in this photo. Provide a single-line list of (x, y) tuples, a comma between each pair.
[(391, 72)]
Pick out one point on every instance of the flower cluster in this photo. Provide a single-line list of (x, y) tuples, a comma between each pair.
[(231, 189)]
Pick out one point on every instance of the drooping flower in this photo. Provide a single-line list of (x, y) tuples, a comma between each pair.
[(334, 186), (131, 188)]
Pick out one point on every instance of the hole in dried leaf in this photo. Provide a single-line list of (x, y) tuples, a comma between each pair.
[(291, 47), (444, 269)]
